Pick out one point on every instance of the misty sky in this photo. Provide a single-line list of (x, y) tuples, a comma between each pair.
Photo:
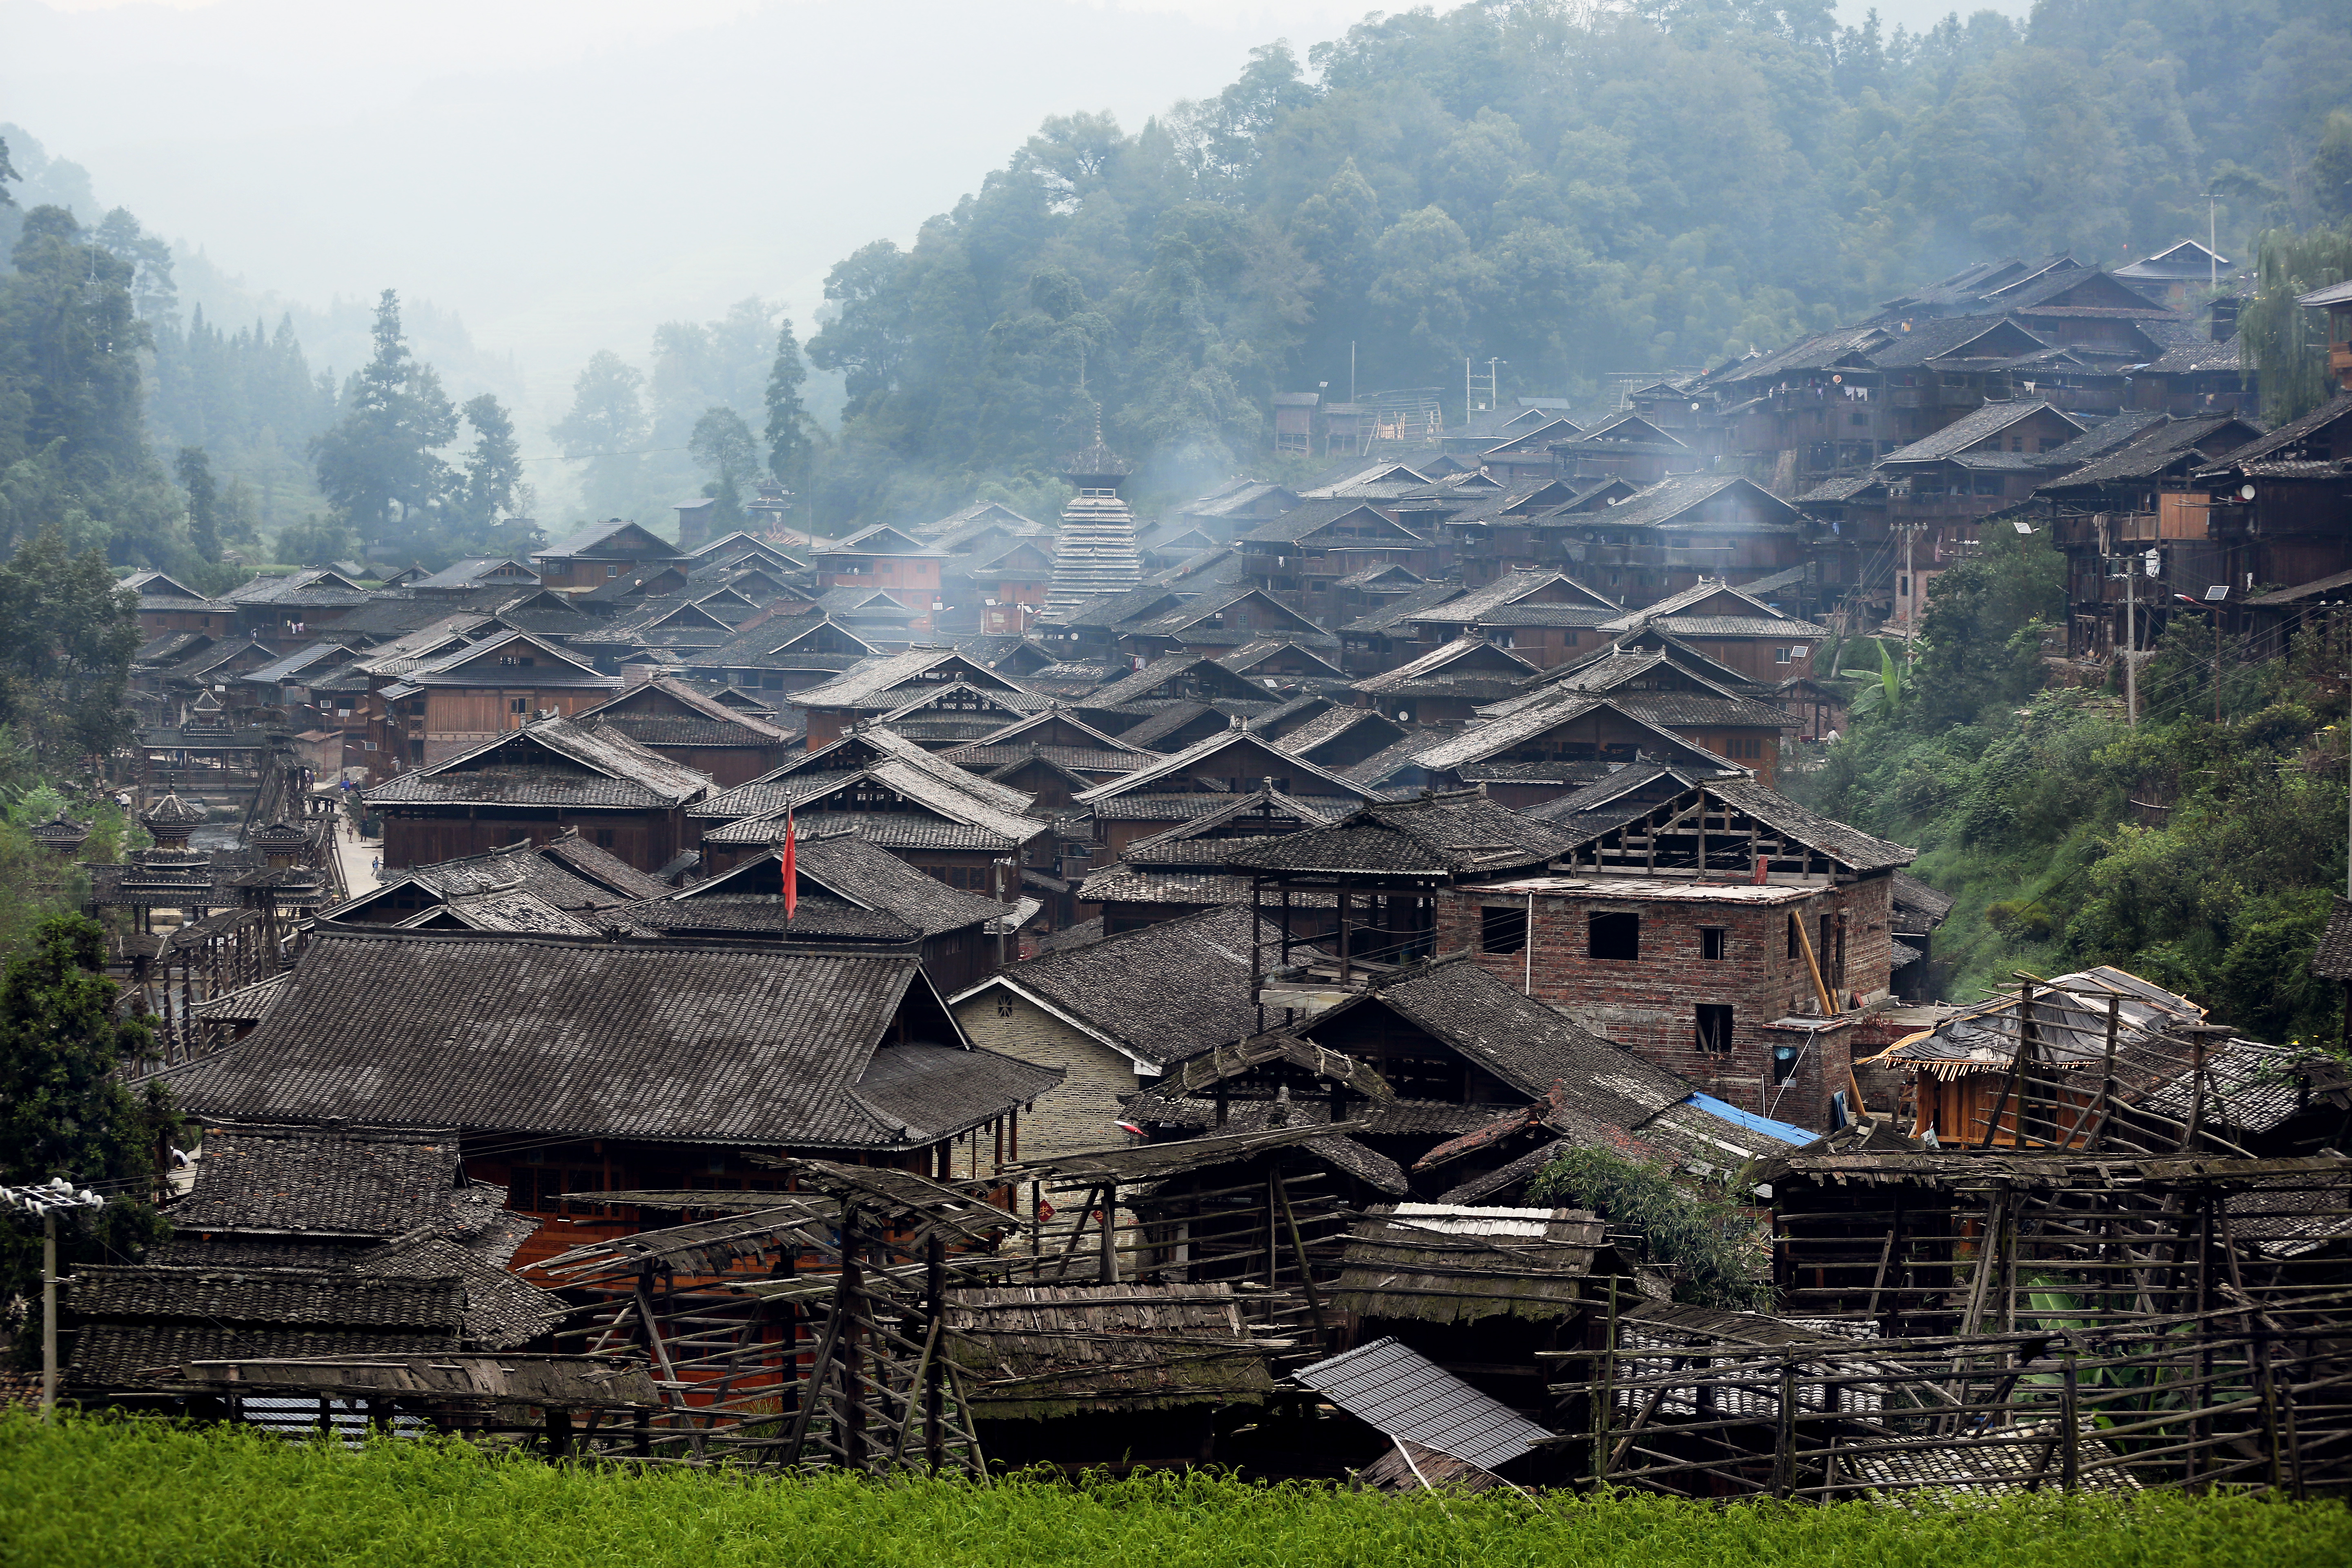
[(564, 175)]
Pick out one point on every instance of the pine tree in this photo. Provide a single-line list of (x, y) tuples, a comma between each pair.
[(195, 474), (789, 443), (494, 466), (606, 427), (379, 464), (723, 445)]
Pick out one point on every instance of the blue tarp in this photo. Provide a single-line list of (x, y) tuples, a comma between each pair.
[(1750, 1120)]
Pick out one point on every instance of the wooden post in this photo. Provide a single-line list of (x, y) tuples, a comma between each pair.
[(935, 1271), (1605, 1395), (1110, 1234), (1299, 1250), (559, 1434), (852, 1426), (2071, 1466), (1784, 1434), (2016, 1068)]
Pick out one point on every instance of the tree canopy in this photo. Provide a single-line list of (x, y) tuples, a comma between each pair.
[(64, 1110), (1573, 190)]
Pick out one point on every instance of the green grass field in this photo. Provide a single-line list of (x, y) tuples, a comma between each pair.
[(113, 1494)]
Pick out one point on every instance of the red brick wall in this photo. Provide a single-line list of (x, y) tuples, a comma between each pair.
[(1650, 1004)]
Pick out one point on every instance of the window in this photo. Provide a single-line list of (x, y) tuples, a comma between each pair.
[(1616, 937), (1792, 936), (1502, 928), (1785, 655), (1784, 1063), (1713, 940), (1859, 417), (1715, 1027), (613, 571), (1903, 586), (518, 704)]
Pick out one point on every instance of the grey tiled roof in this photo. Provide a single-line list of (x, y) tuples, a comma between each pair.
[(1167, 992), (356, 1183), (1461, 833), (1977, 424), (668, 1042), (1526, 1045), (553, 762), (869, 877)]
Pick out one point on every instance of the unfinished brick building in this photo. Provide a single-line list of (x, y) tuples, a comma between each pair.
[(1725, 932)]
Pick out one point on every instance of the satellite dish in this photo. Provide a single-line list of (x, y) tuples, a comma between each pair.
[(2245, 492)]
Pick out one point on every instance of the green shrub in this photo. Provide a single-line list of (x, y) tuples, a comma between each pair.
[(1714, 1249)]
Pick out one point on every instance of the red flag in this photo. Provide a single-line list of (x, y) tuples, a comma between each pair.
[(792, 870)]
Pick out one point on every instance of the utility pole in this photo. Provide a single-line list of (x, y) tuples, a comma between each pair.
[(47, 1201), (1910, 600), (2213, 257), (2131, 642)]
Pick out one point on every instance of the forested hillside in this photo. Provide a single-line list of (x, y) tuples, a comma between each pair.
[(2198, 851), (1572, 191)]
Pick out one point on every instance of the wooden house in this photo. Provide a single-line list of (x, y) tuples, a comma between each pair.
[(1547, 748), (1216, 621), (1187, 869), (565, 872), (452, 703), (639, 1065), (535, 782), (168, 606), (838, 875), (679, 721), (882, 558), (1300, 556), (1525, 452), (1651, 677), (1446, 685), (1002, 589), (1667, 537), (1236, 507), (1201, 778), (1050, 757), (883, 684), (2276, 513), (2126, 501), (934, 818), (1627, 447), (1541, 617), (941, 718), (604, 553), (1755, 640)]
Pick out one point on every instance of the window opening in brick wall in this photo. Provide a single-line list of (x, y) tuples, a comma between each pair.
[(1784, 1063), (1713, 940), (1792, 936), (1502, 928), (1614, 936), (1715, 1027)]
